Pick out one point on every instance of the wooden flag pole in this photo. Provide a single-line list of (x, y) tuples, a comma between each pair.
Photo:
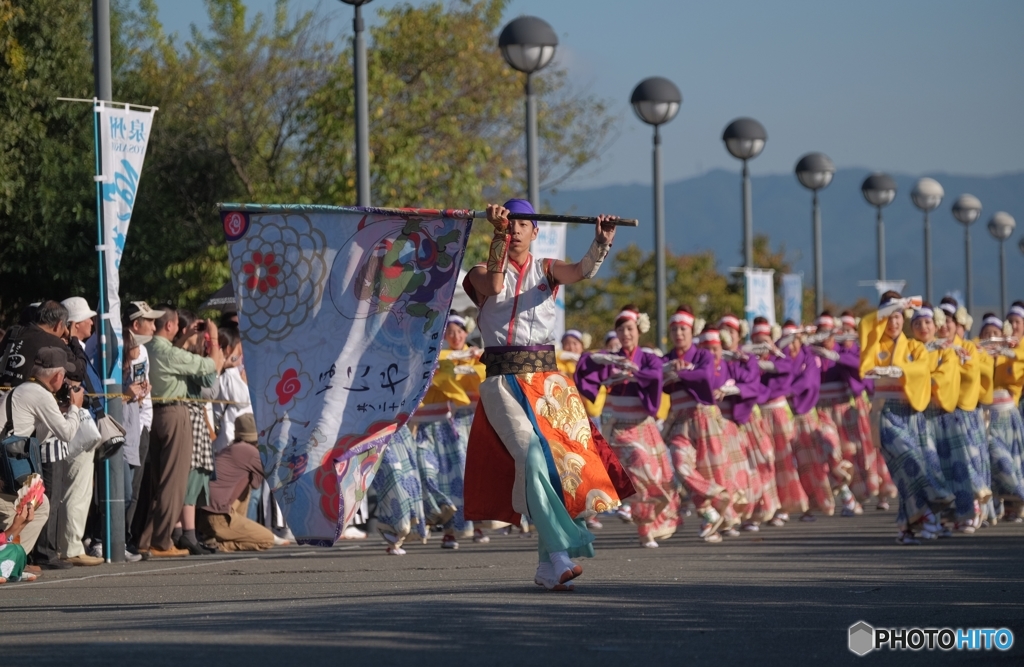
[(566, 219), (456, 213)]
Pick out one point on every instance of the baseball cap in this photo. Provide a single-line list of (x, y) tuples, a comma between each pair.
[(141, 310), (78, 309), (54, 357)]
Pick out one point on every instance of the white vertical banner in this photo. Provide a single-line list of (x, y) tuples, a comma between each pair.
[(760, 294), (550, 243), (792, 297), (123, 136)]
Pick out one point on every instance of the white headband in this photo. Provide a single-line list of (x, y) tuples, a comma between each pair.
[(848, 320), (710, 336), (685, 319), (575, 333), (456, 319), (729, 321), (790, 329), (923, 312), (627, 315), (949, 308), (762, 328), (994, 321), (611, 335), (1016, 310), (890, 302), (825, 322)]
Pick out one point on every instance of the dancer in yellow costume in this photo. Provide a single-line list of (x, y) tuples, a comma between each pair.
[(902, 373)]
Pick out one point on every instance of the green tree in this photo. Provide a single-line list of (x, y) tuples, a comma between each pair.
[(260, 111), (446, 126), (47, 197), (691, 279)]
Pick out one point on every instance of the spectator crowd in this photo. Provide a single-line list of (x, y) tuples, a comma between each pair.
[(193, 476)]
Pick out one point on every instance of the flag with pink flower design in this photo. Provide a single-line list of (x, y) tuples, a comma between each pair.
[(342, 313)]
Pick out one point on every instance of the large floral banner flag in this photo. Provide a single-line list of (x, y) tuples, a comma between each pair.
[(341, 312)]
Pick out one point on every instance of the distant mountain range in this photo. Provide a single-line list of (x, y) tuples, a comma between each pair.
[(705, 213)]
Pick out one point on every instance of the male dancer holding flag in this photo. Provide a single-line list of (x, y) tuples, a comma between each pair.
[(532, 450)]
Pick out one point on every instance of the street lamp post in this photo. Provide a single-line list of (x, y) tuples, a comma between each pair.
[(879, 190), (815, 171), (744, 139), (967, 209), (362, 105), (656, 101), (1000, 227), (927, 195), (528, 45)]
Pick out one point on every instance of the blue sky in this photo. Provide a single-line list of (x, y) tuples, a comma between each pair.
[(915, 86)]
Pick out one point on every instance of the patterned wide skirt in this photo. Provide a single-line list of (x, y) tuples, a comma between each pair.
[(819, 458), (442, 464), (762, 462), (886, 487), (703, 460), (643, 454), (854, 429), (961, 468), (913, 463), (541, 409), (778, 425), (399, 495), (1006, 452)]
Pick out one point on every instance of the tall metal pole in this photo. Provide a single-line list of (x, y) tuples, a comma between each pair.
[(967, 252), (748, 221), (101, 48), (881, 245), (659, 241), (1002, 275), (113, 472), (362, 112), (532, 177), (819, 279), (927, 257)]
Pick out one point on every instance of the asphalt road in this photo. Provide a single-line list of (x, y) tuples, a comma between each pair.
[(784, 596)]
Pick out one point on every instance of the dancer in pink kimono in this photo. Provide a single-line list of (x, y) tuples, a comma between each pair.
[(819, 457), (777, 373), (740, 407), (694, 428), (726, 380), (633, 379)]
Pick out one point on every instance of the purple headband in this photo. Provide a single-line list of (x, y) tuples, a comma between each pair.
[(520, 206)]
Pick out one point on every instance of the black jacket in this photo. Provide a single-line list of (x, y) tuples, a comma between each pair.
[(23, 342)]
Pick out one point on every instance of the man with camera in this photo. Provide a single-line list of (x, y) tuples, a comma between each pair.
[(31, 410), (171, 438)]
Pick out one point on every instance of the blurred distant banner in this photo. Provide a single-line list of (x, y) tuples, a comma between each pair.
[(792, 297), (342, 313), (550, 243), (123, 136), (760, 294)]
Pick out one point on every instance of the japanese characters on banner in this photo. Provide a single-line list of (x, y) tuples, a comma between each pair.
[(792, 297), (124, 134), (760, 294), (550, 243), (342, 313)]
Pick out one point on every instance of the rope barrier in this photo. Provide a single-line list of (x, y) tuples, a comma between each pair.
[(158, 399)]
